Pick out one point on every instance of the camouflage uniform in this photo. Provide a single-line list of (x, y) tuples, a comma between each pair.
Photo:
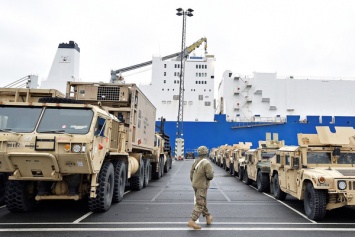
[(200, 175)]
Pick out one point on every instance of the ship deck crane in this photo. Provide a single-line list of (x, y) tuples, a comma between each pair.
[(116, 74)]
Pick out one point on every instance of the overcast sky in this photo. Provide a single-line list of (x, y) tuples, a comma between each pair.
[(300, 37)]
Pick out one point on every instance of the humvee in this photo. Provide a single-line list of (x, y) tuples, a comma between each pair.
[(257, 162), (237, 158), (320, 171)]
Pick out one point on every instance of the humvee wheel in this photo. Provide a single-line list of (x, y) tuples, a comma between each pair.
[(161, 165), (104, 191), (20, 196), (120, 180), (278, 193), (246, 179), (240, 173), (315, 202), (262, 182), (137, 182), (146, 172)]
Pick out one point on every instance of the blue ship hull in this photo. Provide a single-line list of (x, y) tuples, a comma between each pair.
[(220, 132)]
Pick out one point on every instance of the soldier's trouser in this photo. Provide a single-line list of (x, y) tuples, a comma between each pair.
[(200, 204)]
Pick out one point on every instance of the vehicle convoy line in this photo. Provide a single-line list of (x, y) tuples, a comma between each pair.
[(291, 208)]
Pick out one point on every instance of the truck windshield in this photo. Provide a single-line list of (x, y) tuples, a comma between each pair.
[(346, 158), (66, 120), (19, 119), (318, 157)]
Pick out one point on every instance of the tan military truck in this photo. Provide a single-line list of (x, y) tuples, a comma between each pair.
[(257, 162), (320, 171), (226, 157), (219, 157), (237, 158), (89, 144), (213, 154)]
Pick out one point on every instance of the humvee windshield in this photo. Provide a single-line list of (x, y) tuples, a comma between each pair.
[(346, 158), (66, 120), (19, 119), (318, 157), (267, 155)]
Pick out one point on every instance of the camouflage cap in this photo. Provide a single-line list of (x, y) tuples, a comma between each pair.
[(202, 151)]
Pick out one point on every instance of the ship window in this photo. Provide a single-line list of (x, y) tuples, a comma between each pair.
[(164, 81), (164, 101), (196, 74), (175, 65), (175, 97), (164, 65), (185, 102), (230, 74), (196, 66), (190, 102), (169, 102), (199, 66), (196, 82), (199, 74), (164, 74), (205, 66), (200, 97), (212, 77), (207, 103)]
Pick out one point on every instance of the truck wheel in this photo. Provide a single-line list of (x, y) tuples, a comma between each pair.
[(155, 173), (138, 181), (278, 193), (170, 162), (166, 168), (104, 191), (120, 180), (3, 180), (240, 173), (20, 196), (146, 172), (315, 202), (161, 166), (262, 182), (246, 179)]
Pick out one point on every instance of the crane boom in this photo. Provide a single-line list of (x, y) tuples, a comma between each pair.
[(115, 74)]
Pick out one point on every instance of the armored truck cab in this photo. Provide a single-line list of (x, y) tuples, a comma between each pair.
[(320, 171), (90, 144)]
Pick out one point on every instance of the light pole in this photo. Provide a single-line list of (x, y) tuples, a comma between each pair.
[(180, 118)]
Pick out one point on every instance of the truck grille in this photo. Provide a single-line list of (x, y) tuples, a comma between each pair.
[(106, 93), (347, 172)]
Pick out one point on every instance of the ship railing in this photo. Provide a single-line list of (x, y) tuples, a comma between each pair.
[(256, 121)]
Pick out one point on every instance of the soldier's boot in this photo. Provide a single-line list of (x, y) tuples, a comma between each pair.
[(209, 219), (193, 224)]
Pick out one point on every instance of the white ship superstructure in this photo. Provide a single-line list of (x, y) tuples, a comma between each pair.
[(264, 96), (163, 90)]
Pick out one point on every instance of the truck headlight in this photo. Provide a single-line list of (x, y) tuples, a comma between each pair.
[(76, 148), (341, 184)]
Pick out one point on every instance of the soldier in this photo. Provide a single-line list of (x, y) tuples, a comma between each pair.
[(200, 175)]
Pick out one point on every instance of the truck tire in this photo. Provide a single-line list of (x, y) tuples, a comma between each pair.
[(246, 179), (161, 166), (262, 182), (240, 173), (20, 196), (104, 191), (120, 180), (155, 173), (166, 167), (315, 202), (170, 162), (146, 172), (3, 180), (138, 181), (278, 193)]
